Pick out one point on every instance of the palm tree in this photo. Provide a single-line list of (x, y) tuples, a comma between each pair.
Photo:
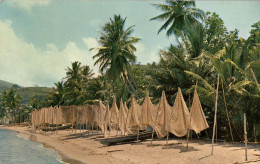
[(193, 39), (56, 97), (117, 50), (11, 101), (178, 14), (74, 73), (87, 73), (74, 84)]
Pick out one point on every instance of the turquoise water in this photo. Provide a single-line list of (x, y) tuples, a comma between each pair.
[(17, 150)]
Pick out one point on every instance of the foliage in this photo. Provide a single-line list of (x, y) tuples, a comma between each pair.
[(206, 49), (10, 101), (178, 15)]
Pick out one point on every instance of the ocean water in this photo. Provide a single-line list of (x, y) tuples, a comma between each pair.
[(18, 150)]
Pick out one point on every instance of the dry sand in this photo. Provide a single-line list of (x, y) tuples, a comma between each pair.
[(79, 147)]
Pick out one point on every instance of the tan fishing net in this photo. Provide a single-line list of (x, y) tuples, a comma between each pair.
[(114, 113), (66, 114), (162, 117), (101, 115), (148, 113), (198, 120), (122, 116), (180, 117), (133, 116)]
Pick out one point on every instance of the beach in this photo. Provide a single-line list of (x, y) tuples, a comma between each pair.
[(80, 147)]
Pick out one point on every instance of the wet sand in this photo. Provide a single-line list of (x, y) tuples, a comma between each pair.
[(83, 147)]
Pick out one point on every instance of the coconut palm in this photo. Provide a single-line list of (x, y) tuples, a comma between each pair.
[(193, 39), (116, 53), (178, 14), (56, 97), (11, 101)]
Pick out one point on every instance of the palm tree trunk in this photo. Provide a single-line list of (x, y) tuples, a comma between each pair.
[(253, 74), (229, 124), (134, 90)]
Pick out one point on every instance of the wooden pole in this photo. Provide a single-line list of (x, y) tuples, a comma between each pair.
[(255, 138), (229, 124), (245, 133), (215, 116), (140, 118), (56, 120), (216, 130), (72, 124), (253, 74), (155, 122), (169, 127), (85, 111), (188, 135), (117, 129), (76, 121)]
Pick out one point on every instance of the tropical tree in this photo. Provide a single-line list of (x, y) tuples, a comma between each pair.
[(178, 15), (56, 97), (74, 84), (116, 53), (10, 101)]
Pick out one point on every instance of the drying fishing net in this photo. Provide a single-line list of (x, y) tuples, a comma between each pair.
[(162, 119), (148, 113), (180, 117), (114, 113), (133, 116), (101, 115), (122, 116), (198, 120)]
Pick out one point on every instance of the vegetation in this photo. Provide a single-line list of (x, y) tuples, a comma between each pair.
[(10, 101), (205, 50)]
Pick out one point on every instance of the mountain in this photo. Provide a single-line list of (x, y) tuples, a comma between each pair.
[(29, 92), (4, 85), (25, 92)]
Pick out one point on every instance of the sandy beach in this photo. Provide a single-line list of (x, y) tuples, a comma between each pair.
[(79, 147)]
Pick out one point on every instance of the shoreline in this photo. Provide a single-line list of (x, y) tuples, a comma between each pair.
[(32, 137), (77, 147)]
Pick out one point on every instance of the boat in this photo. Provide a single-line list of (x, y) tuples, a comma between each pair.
[(66, 126), (125, 139)]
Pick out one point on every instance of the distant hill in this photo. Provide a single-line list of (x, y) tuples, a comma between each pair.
[(4, 85), (28, 92), (25, 92)]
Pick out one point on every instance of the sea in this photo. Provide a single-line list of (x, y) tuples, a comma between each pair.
[(15, 149)]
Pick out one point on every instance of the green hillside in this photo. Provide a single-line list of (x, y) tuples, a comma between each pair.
[(4, 85), (25, 92), (28, 92)]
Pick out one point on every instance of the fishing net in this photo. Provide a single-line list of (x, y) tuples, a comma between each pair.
[(95, 114), (122, 116), (66, 114), (148, 113), (114, 113), (180, 117), (162, 119), (80, 113), (101, 115), (133, 116), (198, 120)]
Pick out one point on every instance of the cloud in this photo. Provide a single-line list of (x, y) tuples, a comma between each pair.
[(145, 56), (95, 22), (27, 4), (24, 64)]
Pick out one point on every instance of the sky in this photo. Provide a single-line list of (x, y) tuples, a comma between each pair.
[(40, 38)]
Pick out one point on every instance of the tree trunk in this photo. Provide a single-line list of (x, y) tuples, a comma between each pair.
[(256, 82), (215, 116), (229, 124)]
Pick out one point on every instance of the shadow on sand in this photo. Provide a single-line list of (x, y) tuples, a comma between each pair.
[(82, 135)]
